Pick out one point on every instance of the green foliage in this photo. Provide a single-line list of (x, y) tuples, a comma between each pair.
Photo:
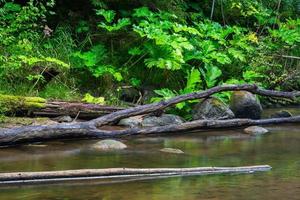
[(60, 91), (121, 23), (166, 50), (109, 16), (135, 82), (211, 74), (193, 84), (82, 27), (21, 29), (175, 45), (94, 61), (88, 98), (288, 33)]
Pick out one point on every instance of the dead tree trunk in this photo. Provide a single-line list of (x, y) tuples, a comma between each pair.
[(112, 173), (36, 106), (92, 129)]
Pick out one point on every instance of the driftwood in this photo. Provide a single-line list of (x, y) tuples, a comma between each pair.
[(92, 129), (113, 173), (36, 106)]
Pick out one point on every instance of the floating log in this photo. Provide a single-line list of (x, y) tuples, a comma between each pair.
[(117, 173), (92, 128), (36, 106)]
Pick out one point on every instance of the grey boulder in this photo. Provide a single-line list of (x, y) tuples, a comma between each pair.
[(281, 114), (131, 121), (212, 108), (245, 105), (163, 120)]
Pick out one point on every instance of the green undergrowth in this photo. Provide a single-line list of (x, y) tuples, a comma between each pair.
[(52, 49)]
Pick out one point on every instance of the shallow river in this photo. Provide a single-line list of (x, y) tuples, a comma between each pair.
[(280, 148)]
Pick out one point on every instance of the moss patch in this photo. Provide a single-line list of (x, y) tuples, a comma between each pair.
[(9, 103), (217, 102)]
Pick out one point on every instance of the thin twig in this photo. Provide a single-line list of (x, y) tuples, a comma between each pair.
[(76, 116), (287, 56), (223, 15), (212, 9)]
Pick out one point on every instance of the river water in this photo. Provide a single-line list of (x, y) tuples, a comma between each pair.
[(280, 148)]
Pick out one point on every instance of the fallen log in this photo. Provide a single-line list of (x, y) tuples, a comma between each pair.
[(117, 173), (149, 108), (92, 129), (29, 134), (36, 106)]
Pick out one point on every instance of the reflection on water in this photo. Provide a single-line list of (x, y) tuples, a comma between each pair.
[(280, 149), (293, 110)]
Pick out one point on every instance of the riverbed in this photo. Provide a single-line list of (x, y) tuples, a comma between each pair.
[(280, 148)]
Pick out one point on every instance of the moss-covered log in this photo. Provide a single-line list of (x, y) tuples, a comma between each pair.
[(9, 103), (36, 106)]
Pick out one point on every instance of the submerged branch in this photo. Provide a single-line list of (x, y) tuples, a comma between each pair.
[(113, 173)]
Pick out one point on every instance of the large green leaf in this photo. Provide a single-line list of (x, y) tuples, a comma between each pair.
[(211, 74)]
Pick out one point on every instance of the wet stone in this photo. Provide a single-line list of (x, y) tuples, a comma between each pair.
[(131, 121), (171, 150), (109, 145), (255, 130), (212, 108), (281, 114), (163, 120), (63, 119), (245, 105)]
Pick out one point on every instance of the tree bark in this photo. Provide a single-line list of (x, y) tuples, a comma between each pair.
[(91, 129), (113, 173)]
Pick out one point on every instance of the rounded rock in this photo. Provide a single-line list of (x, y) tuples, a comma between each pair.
[(163, 120), (131, 121), (256, 130), (109, 145), (63, 119), (281, 114), (212, 108), (245, 105)]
